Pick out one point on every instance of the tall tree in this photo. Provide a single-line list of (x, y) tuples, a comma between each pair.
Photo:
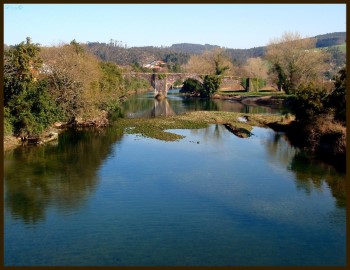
[(256, 67), (337, 99), (28, 106), (73, 75), (295, 60), (214, 61), (21, 65)]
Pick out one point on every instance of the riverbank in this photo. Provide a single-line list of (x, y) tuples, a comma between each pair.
[(325, 139), (51, 134)]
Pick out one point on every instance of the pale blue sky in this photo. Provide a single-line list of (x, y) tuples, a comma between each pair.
[(226, 25)]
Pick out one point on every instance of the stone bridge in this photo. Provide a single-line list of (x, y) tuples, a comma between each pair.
[(162, 82)]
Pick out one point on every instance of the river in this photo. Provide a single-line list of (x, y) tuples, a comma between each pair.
[(106, 198)]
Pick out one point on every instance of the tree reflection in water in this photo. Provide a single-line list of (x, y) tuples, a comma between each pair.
[(64, 175), (61, 175), (310, 173), (142, 105)]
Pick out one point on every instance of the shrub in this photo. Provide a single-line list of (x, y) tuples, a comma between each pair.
[(8, 130), (192, 86), (308, 102), (337, 99), (211, 84), (33, 109)]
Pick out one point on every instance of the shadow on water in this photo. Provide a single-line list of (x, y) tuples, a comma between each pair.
[(310, 173), (61, 175)]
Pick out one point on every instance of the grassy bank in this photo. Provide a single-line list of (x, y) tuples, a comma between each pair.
[(254, 94), (158, 128)]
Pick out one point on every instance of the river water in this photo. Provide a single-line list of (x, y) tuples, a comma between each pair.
[(109, 198)]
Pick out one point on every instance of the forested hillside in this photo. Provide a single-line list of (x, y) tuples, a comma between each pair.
[(179, 54), (331, 39)]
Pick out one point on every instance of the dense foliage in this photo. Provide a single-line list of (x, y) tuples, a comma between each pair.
[(63, 83), (191, 86), (320, 115), (337, 99), (308, 102), (330, 39), (311, 101), (211, 84), (29, 107)]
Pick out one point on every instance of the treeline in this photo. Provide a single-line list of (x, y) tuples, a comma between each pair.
[(64, 83), (331, 39), (178, 55), (137, 56)]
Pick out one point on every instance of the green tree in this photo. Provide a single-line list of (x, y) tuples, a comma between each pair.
[(28, 105), (21, 65), (111, 86), (192, 86), (33, 109), (337, 99), (309, 102), (211, 84)]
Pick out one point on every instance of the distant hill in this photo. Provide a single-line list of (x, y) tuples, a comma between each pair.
[(178, 54), (191, 48), (239, 56), (331, 39)]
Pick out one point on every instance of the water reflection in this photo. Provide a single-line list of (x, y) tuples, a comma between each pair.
[(64, 175), (61, 175), (157, 109), (310, 173), (203, 200), (142, 105)]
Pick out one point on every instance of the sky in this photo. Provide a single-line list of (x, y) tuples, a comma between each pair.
[(238, 26)]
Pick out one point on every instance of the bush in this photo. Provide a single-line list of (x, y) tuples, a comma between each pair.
[(337, 99), (33, 109), (135, 84), (191, 86), (211, 84), (8, 130), (308, 102), (111, 87)]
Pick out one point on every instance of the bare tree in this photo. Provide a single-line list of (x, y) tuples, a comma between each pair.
[(295, 60), (256, 67), (210, 62), (73, 76)]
